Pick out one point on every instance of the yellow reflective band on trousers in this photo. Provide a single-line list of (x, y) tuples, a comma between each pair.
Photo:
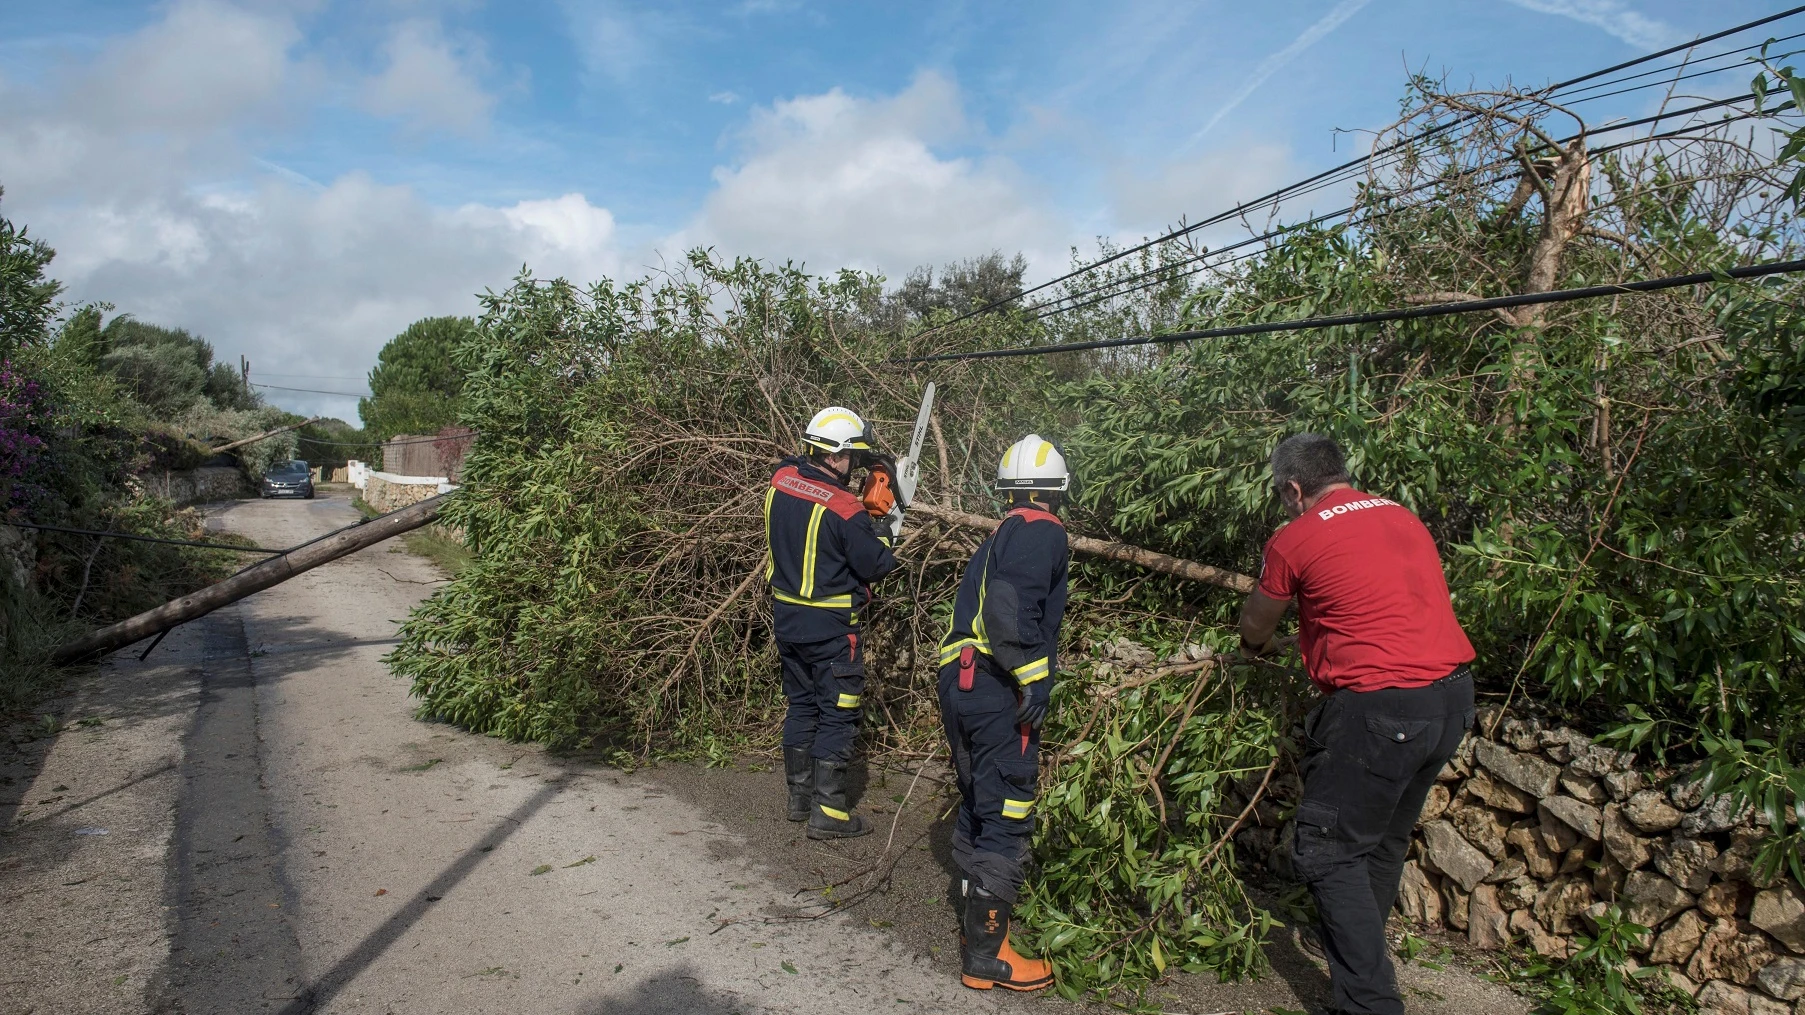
[(839, 602), (1028, 673), (1017, 809), (836, 815), (849, 701), (809, 551)]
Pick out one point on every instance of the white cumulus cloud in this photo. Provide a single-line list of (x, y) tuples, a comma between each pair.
[(430, 82), (833, 179)]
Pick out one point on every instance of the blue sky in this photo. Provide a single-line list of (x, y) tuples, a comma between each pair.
[(297, 181)]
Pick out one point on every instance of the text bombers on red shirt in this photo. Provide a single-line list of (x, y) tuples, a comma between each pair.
[(1372, 602)]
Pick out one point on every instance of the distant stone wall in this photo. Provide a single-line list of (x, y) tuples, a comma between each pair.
[(193, 486), (387, 492), (1530, 836)]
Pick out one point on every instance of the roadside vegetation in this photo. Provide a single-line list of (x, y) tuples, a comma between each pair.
[(1615, 484), (89, 407)]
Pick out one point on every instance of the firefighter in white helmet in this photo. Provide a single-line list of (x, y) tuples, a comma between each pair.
[(996, 675), (826, 552)]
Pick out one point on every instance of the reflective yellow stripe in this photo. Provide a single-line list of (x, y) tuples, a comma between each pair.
[(849, 701), (808, 551), (1017, 808), (840, 602), (950, 652), (1028, 673), (836, 815), (770, 559)]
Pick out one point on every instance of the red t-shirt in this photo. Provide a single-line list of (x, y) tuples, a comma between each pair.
[(1372, 602)]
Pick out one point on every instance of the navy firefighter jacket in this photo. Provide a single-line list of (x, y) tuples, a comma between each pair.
[(1010, 605), (825, 553)]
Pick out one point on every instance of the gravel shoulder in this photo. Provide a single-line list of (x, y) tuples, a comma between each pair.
[(251, 819)]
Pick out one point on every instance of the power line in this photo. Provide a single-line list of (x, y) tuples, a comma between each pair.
[(1382, 316), (309, 391), (1244, 207), (143, 539)]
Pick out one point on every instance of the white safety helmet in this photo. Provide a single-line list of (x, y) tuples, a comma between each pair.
[(1032, 463), (835, 429)]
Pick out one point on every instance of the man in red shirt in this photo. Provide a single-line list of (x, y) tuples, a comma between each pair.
[(1379, 639)]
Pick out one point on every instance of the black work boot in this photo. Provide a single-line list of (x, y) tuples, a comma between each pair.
[(799, 773), (988, 960), (832, 816)]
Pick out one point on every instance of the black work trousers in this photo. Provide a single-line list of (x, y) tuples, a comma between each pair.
[(996, 761), (1370, 758), (823, 682)]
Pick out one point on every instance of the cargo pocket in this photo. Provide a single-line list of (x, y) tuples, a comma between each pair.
[(1019, 789), (1396, 749), (849, 683), (1316, 847)]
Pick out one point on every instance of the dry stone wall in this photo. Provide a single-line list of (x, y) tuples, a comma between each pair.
[(1528, 838)]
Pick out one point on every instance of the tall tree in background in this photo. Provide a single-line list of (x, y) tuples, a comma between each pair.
[(27, 298), (415, 388)]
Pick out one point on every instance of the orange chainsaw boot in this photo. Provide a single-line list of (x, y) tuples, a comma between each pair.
[(987, 958)]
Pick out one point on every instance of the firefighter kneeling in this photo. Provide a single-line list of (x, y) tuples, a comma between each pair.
[(996, 676)]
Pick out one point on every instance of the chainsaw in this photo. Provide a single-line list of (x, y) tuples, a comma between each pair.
[(892, 483)]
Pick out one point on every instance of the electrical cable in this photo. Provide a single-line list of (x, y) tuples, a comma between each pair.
[(143, 539), (1381, 316), (1241, 209), (310, 391)]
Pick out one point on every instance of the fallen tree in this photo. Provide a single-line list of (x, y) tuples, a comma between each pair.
[(255, 578)]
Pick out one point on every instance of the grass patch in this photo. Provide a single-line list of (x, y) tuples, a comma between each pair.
[(436, 545)]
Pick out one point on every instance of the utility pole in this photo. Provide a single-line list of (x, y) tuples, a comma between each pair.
[(244, 371)]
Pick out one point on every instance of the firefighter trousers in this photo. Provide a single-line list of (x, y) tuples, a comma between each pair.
[(1369, 760), (997, 765), (823, 682)]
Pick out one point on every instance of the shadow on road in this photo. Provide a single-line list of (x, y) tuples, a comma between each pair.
[(676, 991)]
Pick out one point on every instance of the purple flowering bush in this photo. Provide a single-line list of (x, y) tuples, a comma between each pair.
[(23, 414)]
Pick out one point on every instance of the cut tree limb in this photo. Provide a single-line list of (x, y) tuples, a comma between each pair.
[(1178, 567), (265, 435), (256, 578)]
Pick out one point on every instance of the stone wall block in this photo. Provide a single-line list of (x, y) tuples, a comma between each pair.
[(1418, 899), (1518, 893), (1650, 812), (1726, 899), (1687, 792), (1488, 927), (1508, 869), (1499, 794), (1737, 862), (1539, 940), (1479, 826), (1435, 805), (1562, 744), (1607, 879), (1454, 856), (1582, 817), (1650, 899), (1687, 861), (1630, 850), (1560, 905), (1623, 785), (1730, 952), (1717, 814), (1719, 998), (1780, 911), (1675, 944), (1541, 861), (1454, 904), (1584, 788), (1528, 773), (1596, 762), (1783, 978)]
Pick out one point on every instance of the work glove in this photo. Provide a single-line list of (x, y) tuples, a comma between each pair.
[(1031, 709), (891, 523)]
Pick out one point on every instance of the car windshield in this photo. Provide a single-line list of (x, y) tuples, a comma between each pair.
[(288, 469)]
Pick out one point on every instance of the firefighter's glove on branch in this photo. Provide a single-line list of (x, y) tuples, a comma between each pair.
[(1032, 709), (882, 496)]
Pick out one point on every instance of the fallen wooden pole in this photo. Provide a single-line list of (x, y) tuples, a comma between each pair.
[(255, 578), (265, 435), (1161, 562)]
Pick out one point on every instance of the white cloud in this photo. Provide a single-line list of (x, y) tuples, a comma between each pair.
[(167, 215), (1613, 16), (834, 180), (430, 82), (724, 98)]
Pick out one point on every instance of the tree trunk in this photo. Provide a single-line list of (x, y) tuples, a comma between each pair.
[(256, 578)]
